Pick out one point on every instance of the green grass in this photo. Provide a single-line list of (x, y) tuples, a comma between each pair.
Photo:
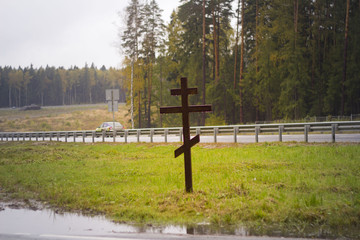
[(292, 188)]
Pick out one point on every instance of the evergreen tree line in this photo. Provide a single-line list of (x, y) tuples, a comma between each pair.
[(283, 59), (51, 86)]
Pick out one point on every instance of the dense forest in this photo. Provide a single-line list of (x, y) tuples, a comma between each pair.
[(51, 86), (263, 60)]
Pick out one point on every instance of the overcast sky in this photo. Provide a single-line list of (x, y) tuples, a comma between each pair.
[(64, 32)]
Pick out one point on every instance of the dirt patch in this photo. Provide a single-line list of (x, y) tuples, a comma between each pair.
[(7, 200)]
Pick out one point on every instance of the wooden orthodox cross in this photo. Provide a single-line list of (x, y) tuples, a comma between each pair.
[(185, 109)]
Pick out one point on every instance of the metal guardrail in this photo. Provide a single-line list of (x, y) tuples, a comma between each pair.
[(235, 130)]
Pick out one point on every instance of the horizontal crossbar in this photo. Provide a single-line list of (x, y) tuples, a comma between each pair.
[(196, 108), (178, 91)]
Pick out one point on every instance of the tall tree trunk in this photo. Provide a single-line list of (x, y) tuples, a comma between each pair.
[(241, 62), (10, 103), (203, 63), (218, 42), (161, 92), (296, 11), (216, 51), (235, 58), (296, 14), (236, 43), (345, 58), (19, 90), (149, 96), (132, 94), (257, 111), (139, 95), (75, 93), (90, 96)]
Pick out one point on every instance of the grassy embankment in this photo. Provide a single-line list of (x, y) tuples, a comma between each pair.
[(292, 188), (60, 118)]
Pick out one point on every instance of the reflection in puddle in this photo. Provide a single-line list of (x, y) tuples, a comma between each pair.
[(15, 221)]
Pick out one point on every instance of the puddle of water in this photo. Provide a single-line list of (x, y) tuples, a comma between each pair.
[(17, 221)]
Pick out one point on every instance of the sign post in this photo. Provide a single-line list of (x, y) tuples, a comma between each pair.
[(185, 109), (112, 96)]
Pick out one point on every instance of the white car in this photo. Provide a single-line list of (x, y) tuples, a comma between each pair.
[(108, 127)]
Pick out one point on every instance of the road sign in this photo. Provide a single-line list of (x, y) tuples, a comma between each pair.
[(112, 94), (113, 106)]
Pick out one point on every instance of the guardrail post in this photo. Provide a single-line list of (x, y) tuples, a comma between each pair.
[(281, 130), (333, 130), (257, 131), (58, 136), (66, 136), (151, 135), (18, 136), (138, 135), (37, 136), (165, 134), (12, 137), (236, 130), (215, 134), (43, 135), (198, 131), (24, 136), (83, 136), (126, 135), (74, 136), (181, 133), (93, 136), (306, 133), (103, 136), (114, 135)]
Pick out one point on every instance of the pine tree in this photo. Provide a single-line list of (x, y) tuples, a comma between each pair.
[(131, 39), (152, 30)]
